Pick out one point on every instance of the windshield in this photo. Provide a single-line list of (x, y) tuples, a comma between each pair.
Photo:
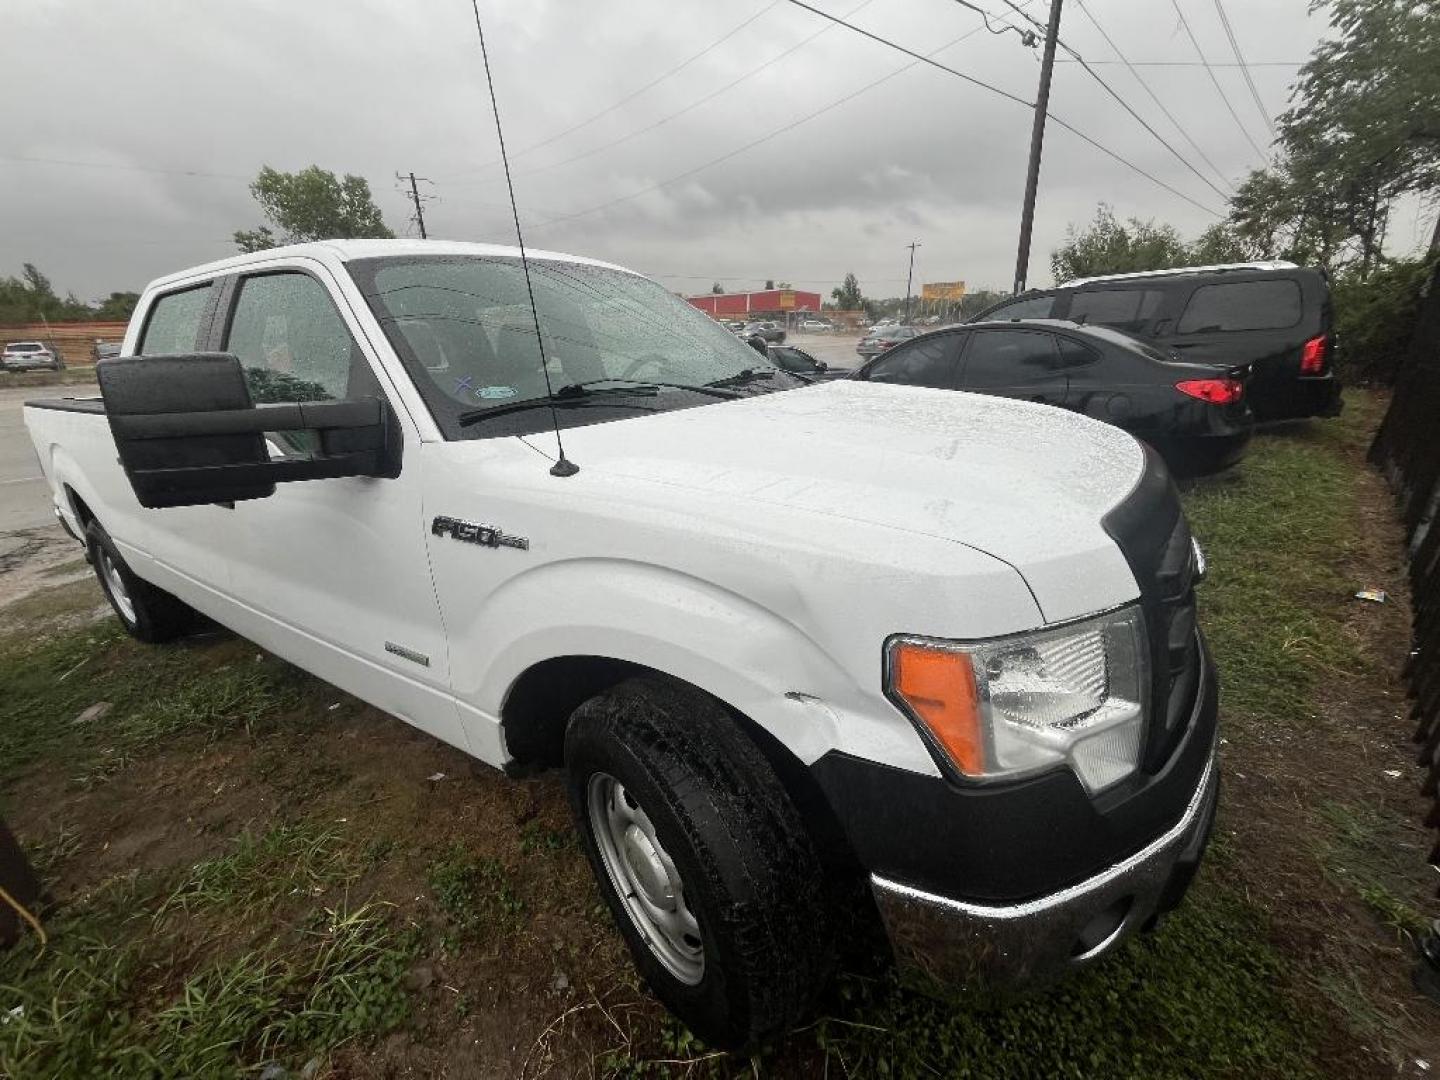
[(464, 329), (24, 346)]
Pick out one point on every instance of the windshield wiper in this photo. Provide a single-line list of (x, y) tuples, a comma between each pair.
[(740, 378), (572, 395)]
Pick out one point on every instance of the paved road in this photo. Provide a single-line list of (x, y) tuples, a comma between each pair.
[(837, 350), (24, 498)]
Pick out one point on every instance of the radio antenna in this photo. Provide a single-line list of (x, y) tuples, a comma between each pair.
[(563, 465)]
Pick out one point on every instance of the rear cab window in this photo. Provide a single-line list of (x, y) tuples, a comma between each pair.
[(1273, 304), (173, 322)]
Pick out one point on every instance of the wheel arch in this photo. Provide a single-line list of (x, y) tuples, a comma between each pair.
[(542, 699)]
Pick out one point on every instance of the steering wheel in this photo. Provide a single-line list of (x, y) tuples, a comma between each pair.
[(662, 367)]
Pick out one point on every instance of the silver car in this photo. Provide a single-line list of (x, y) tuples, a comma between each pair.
[(29, 356)]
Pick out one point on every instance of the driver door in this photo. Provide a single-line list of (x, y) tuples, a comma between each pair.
[(333, 574)]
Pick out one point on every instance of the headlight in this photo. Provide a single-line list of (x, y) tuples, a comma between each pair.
[(1013, 706)]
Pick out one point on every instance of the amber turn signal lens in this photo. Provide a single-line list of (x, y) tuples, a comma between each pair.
[(939, 687)]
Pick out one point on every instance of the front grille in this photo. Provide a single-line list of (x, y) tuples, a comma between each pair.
[(1151, 530)]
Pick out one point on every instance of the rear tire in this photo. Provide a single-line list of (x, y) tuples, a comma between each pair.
[(148, 613), (702, 859)]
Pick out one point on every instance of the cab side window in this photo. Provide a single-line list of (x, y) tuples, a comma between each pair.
[(293, 344), (930, 362), (173, 325)]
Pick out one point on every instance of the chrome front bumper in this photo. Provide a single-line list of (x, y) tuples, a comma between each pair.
[(941, 943)]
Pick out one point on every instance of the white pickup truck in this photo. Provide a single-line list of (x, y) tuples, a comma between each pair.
[(802, 650)]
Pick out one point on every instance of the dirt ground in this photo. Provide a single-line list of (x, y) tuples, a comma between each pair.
[(509, 967)]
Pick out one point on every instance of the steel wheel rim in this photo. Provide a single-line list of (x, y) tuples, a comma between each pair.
[(643, 875), (115, 586)]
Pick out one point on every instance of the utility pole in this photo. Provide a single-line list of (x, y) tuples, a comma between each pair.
[(910, 280), (1037, 142), (415, 198)]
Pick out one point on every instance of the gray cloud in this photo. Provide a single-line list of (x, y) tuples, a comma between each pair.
[(166, 108)]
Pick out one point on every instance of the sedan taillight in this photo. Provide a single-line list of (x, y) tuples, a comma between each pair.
[(1214, 391), (1312, 357)]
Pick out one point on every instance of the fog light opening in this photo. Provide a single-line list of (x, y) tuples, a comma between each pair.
[(1102, 930)]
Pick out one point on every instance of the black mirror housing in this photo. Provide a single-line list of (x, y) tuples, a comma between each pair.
[(188, 432)]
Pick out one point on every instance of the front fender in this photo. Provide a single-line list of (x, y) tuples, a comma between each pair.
[(750, 657)]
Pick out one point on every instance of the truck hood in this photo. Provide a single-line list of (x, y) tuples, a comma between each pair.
[(1026, 484)]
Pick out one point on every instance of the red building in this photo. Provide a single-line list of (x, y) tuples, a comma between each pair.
[(767, 301)]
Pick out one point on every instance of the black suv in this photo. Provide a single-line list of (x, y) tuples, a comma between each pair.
[(1275, 317)]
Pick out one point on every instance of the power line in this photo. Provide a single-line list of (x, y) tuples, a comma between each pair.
[(1193, 63), (1215, 79), (917, 60), (1249, 79), (1012, 97), (1125, 104), (685, 109), (1150, 90), (119, 167), (783, 129), (633, 94), (1027, 37)]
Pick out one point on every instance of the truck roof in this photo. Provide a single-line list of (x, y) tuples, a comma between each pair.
[(349, 250)]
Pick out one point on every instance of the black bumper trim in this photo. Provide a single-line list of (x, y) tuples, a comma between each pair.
[(1009, 843)]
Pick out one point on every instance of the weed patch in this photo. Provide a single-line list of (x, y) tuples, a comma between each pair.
[(287, 860), (91, 1007), (475, 893)]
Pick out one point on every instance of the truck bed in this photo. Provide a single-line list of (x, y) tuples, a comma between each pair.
[(69, 404)]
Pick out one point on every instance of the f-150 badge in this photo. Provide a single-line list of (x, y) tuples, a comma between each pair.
[(470, 533)]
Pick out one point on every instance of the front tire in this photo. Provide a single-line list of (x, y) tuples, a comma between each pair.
[(148, 613), (702, 859)]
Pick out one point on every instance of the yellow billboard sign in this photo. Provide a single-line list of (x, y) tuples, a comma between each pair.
[(943, 290), (787, 300)]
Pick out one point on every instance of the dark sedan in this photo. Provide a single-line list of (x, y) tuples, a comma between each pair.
[(799, 362), (1194, 415)]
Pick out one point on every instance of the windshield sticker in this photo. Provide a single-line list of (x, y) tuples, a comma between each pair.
[(467, 386)]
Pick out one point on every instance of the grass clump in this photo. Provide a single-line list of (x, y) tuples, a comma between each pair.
[(474, 892), (287, 860), (92, 1007)]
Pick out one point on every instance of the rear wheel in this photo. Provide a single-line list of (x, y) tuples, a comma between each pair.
[(148, 613), (701, 858)]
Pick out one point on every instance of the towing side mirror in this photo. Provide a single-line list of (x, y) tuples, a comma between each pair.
[(188, 432)]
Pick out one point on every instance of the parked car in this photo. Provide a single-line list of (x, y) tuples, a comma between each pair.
[(1194, 415), (799, 362), (884, 337), (772, 332), (29, 356), (935, 649), (1274, 317), (105, 350), (815, 326)]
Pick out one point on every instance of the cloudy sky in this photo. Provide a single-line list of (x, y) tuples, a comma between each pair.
[(692, 140)]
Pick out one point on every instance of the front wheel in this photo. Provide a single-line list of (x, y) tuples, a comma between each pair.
[(148, 613), (701, 858)]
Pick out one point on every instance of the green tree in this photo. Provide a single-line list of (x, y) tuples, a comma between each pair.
[(1109, 246), (117, 307), (311, 205), (847, 295), (717, 289), (1363, 130), (31, 298)]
